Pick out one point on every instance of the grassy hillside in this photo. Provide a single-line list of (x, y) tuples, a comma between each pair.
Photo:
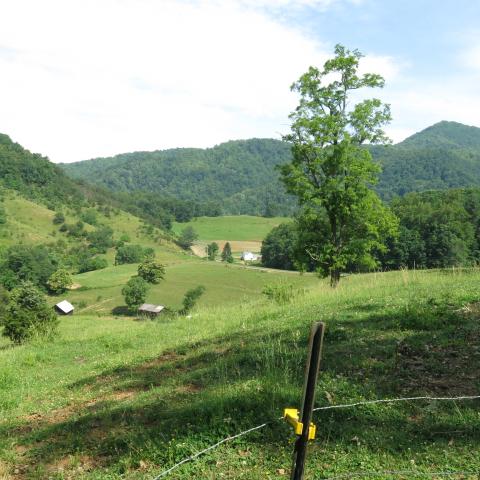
[(241, 176), (241, 227), (225, 284), (114, 398)]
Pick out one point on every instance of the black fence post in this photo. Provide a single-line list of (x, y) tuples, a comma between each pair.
[(311, 375)]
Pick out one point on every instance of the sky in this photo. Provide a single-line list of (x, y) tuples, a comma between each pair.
[(88, 78)]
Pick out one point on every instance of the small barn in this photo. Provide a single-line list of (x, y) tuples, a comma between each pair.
[(248, 257), (150, 310), (64, 308)]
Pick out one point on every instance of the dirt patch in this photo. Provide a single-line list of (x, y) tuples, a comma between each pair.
[(74, 286), (236, 245), (74, 465)]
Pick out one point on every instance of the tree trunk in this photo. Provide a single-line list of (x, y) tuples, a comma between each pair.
[(334, 278)]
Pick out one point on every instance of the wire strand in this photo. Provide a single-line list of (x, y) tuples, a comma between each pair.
[(329, 407), (393, 400)]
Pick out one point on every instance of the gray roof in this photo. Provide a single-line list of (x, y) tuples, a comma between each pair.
[(65, 306), (148, 307)]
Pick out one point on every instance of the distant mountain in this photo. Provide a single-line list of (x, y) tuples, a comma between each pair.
[(238, 176), (445, 155), (241, 176)]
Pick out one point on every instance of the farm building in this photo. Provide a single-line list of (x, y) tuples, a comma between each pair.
[(249, 257), (150, 310), (64, 307)]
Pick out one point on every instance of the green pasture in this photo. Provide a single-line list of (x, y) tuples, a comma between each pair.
[(116, 398), (100, 290), (232, 227)]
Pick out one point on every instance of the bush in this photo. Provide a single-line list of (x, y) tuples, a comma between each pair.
[(91, 264), (59, 218), (133, 254), (135, 292), (212, 250), (28, 315), (89, 216), (280, 292), (190, 299), (151, 272), (100, 239), (59, 281), (187, 237), (4, 298)]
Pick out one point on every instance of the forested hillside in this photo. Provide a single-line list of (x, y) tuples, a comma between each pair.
[(445, 155), (239, 177)]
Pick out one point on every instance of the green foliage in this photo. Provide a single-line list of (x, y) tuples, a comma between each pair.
[(4, 299), (90, 216), (278, 247), (151, 272), (331, 173), (59, 218), (3, 215), (76, 230), (227, 253), (228, 178), (280, 293), (187, 237), (28, 315), (133, 254), (135, 292), (212, 250), (437, 229), (22, 263), (59, 281), (89, 264), (190, 299), (100, 239)]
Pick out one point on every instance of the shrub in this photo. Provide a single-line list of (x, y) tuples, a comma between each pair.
[(280, 292), (151, 272), (59, 281), (187, 237), (190, 299), (28, 315), (59, 218), (89, 216), (135, 292), (133, 254), (4, 298), (91, 264), (100, 239), (212, 250)]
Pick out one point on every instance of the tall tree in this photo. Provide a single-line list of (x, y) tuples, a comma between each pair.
[(331, 173), (227, 253)]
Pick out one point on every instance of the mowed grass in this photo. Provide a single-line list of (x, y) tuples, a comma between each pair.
[(224, 284), (115, 398), (232, 227)]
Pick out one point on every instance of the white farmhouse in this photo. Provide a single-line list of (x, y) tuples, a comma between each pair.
[(248, 257)]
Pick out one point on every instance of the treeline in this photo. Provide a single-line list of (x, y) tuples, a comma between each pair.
[(41, 181), (437, 229)]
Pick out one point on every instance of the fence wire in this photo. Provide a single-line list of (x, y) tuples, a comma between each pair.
[(332, 407)]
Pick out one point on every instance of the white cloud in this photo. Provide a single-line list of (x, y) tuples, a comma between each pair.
[(87, 78), (471, 59)]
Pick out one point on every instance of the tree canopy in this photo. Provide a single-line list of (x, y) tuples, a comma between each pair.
[(331, 173)]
